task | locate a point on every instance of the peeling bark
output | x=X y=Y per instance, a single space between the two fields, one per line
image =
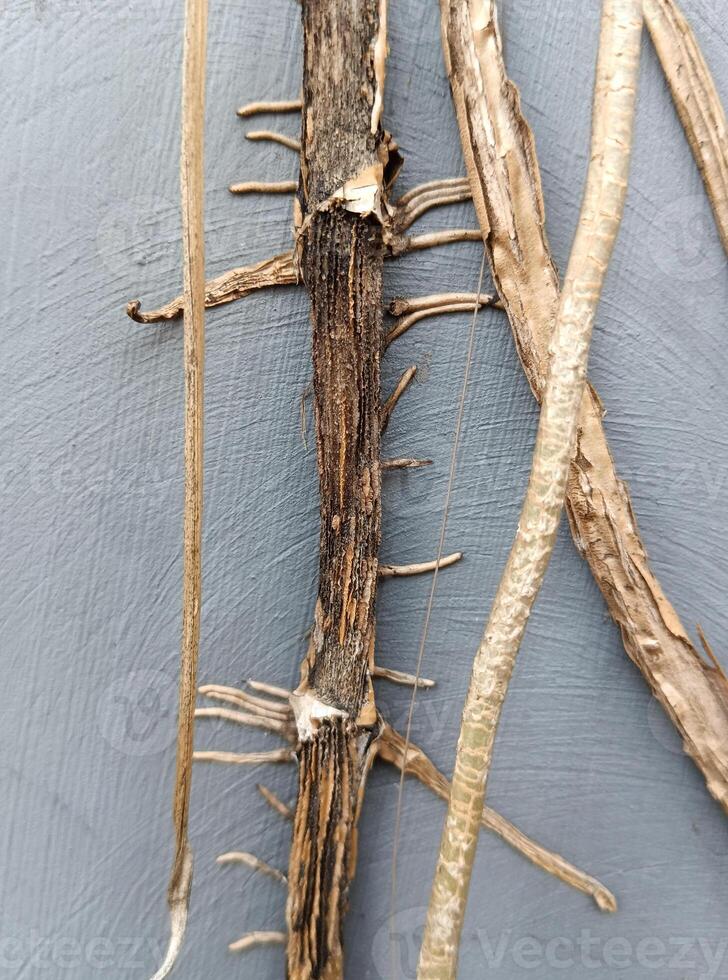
x=501 y=160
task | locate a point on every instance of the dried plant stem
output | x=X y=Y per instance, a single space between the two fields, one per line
x=509 y=204
x=232 y=285
x=193 y=247
x=410 y=759
x=601 y=212
x=696 y=100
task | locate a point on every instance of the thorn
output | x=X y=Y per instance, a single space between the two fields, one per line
x=253 y=939
x=404 y=463
x=400 y=306
x=432 y=185
x=256 y=108
x=437 y=194
x=246 y=758
x=388 y=406
x=259 y=706
x=240 y=718
x=397 y=571
x=243 y=857
x=272 y=800
x=265 y=187
x=399 y=677
x=275 y=692
x=261 y=135
x=403 y=324
x=415 y=243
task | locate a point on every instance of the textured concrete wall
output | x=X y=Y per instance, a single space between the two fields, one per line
x=91 y=476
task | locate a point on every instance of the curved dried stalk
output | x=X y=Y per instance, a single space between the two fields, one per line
x=509 y=205
x=696 y=100
x=193 y=247
x=601 y=213
x=235 y=284
x=410 y=759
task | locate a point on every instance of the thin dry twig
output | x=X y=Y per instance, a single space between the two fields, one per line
x=601 y=212
x=273 y=801
x=257 y=108
x=419 y=568
x=193 y=247
x=251 y=861
x=457 y=305
x=264 y=187
x=405 y=463
x=268 y=135
x=245 y=758
x=393 y=749
x=696 y=100
x=388 y=407
x=509 y=204
x=253 y=939
x=235 y=284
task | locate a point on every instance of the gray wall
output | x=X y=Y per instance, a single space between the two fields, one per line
x=91 y=474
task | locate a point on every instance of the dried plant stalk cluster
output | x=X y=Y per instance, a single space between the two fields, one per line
x=601 y=213
x=345 y=226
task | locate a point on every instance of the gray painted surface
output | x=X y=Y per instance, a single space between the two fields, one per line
x=92 y=489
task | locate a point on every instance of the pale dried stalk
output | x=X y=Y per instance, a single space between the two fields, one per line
x=193 y=263
x=509 y=204
x=614 y=101
x=696 y=100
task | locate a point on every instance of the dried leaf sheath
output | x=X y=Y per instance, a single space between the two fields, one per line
x=509 y=204
x=696 y=100
x=601 y=213
x=341 y=255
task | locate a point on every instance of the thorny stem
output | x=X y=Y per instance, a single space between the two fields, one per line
x=614 y=100
x=509 y=204
x=696 y=100
x=193 y=248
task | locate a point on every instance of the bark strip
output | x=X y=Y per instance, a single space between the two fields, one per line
x=601 y=214
x=501 y=160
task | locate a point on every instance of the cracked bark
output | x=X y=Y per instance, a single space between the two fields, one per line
x=341 y=253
